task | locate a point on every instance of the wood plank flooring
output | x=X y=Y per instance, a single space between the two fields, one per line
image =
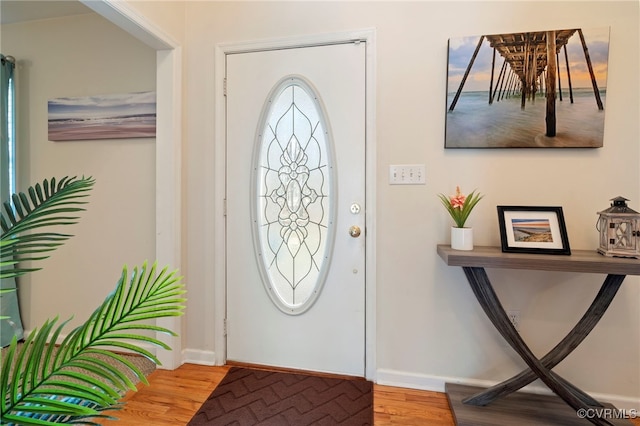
x=173 y=397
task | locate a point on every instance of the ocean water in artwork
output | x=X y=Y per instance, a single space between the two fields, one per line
x=131 y=115
x=474 y=123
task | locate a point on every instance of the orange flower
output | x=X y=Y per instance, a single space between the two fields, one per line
x=459 y=206
x=457 y=201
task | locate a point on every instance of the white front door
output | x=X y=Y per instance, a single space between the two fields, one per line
x=295 y=192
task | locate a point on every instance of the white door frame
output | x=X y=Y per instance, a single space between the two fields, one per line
x=219 y=178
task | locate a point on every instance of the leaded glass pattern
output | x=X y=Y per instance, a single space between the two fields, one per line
x=293 y=196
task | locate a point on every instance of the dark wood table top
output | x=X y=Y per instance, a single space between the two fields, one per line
x=586 y=261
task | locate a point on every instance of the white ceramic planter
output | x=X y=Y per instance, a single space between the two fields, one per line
x=461 y=238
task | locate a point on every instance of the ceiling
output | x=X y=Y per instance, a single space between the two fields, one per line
x=12 y=11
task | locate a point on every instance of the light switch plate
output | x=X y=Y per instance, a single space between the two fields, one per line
x=407 y=174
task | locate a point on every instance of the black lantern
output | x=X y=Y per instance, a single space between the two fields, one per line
x=619 y=228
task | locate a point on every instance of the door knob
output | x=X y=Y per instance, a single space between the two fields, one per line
x=354 y=231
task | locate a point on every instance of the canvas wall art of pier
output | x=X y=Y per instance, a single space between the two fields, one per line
x=544 y=89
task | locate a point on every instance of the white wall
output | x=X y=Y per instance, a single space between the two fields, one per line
x=81 y=56
x=429 y=326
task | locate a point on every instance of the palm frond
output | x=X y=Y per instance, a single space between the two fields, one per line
x=3 y=274
x=5 y=264
x=70 y=384
x=51 y=203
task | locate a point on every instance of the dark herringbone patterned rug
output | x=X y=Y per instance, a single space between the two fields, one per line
x=257 y=397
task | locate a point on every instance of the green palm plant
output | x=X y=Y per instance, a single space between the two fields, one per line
x=48 y=204
x=42 y=383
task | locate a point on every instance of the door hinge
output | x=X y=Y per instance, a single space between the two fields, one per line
x=224 y=87
x=224 y=326
x=224 y=207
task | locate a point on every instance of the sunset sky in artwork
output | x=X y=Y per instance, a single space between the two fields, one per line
x=101 y=106
x=530 y=223
x=461 y=50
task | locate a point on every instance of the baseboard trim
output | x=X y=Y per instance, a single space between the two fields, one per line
x=196 y=356
x=405 y=379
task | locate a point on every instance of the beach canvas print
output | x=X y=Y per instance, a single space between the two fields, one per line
x=118 y=116
x=544 y=89
x=529 y=230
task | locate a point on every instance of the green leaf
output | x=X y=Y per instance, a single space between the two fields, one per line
x=45 y=384
x=56 y=406
x=77 y=390
x=25 y=214
x=460 y=215
x=38 y=369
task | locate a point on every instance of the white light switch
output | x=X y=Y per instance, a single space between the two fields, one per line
x=407 y=174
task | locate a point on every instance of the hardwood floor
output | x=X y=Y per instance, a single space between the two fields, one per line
x=173 y=397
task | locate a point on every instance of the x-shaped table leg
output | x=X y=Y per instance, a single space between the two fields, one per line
x=540 y=368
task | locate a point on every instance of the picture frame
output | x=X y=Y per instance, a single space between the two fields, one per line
x=493 y=99
x=112 y=116
x=533 y=229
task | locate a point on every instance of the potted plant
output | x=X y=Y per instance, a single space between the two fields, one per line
x=42 y=383
x=459 y=207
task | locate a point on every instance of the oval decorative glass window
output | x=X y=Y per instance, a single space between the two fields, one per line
x=293 y=206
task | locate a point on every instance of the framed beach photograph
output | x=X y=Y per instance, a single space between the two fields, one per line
x=116 y=116
x=540 y=89
x=535 y=229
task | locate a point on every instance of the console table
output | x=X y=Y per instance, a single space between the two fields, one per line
x=474 y=263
